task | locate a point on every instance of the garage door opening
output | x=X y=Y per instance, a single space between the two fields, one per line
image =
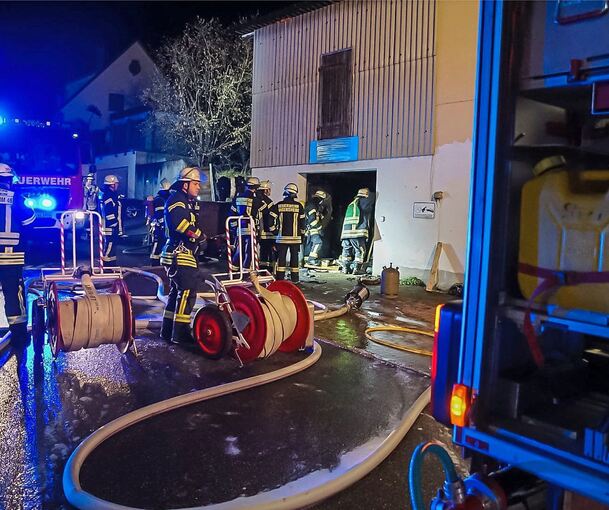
x=342 y=186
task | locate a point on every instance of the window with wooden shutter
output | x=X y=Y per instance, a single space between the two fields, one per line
x=335 y=95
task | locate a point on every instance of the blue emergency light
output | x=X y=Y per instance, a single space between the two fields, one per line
x=43 y=202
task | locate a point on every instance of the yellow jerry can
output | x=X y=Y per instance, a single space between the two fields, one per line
x=564 y=237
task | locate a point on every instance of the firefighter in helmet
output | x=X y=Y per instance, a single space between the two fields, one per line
x=267 y=238
x=289 y=227
x=112 y=214
x=316 y=213
x=246 y=203
x=179 y=255
x=355 y=233
x=157 y=222
x=14 y=215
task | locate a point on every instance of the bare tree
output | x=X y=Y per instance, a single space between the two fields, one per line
x=201 y=101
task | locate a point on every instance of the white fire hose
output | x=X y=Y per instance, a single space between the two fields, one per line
x=91 y=320
x=78 y=497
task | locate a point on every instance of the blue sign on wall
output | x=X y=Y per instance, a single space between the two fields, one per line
x=334 y=150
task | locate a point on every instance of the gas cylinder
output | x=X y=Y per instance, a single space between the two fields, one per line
x=390 y=281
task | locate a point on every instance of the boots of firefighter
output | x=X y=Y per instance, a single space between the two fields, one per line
x=295 y=275
x=181 y=333
x=19 y=336
x=359 y=269
x=166 y=329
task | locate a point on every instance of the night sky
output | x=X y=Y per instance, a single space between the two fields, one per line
x=45 y=45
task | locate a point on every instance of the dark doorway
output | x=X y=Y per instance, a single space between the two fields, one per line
x=343 y=187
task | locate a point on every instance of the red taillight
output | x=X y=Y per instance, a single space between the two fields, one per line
x=459 y=405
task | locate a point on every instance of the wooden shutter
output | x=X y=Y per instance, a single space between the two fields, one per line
x=335 y=80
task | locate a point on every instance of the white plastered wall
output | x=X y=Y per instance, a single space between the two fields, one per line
x=401 y=239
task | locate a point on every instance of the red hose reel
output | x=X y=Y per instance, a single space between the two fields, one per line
x=213 y=328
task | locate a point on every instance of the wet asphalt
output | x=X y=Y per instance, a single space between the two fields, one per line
x=231 y=447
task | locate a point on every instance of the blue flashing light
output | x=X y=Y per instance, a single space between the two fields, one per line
x=2 y=120
x=47 y=203
x=75 y=136
x=30 y=202
x=48 y=123
x=17 y=121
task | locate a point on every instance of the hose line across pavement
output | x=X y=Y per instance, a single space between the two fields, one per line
x=270 y=500
x=399 y=329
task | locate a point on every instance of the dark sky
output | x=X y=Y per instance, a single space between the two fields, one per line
x=45 y=45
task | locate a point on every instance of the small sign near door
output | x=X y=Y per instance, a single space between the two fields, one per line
x=426 y=210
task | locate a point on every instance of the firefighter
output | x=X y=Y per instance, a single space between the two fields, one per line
x=267 y=238
x=246 y=203
x=355 y=232
x=157 y=222
x=111 y=206
x=289 y=227
x=315 y=213
x=179 y=255
x=14 y=215
x=91 y=190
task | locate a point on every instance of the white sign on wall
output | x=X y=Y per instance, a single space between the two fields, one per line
x=426 y=210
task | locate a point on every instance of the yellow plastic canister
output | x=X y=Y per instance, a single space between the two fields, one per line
x=564 y=226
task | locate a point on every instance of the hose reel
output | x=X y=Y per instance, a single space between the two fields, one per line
x=271 y=319
x=87 y=321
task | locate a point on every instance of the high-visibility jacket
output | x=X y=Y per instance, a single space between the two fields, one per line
x=265 y=220
x=289 y=221
x=247 y=203
x=13 y=216
x=357 y=219
x=183 y=234
x=112 y=212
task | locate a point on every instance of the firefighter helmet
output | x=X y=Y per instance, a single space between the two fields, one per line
x=321 y=194
x=164 y=184
x=189 y=174
x=252 y=182
x=265 y=186
x=110 y=179
x=291 y=188
x=363 y=192
x=6 y=171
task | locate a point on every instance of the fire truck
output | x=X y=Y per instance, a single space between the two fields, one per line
x=521 y=367
x=47 y=158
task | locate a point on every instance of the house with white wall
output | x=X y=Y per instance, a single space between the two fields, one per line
x=108 y=105
x=378 y=94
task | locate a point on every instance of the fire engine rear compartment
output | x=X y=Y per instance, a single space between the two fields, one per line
x=564 y=404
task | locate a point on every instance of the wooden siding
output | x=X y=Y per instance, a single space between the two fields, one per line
x=393 y=50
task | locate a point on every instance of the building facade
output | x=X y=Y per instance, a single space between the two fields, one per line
x=377 y=94
x=109 y=107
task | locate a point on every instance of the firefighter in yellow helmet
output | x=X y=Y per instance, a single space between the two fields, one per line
x=179 y=255
x=14 y=215
x=157 y=222
x=355 y=231
x=289 y=227
x=112 y=215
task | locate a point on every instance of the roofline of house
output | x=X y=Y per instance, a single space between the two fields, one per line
x=97 y=75
x=296 y=9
